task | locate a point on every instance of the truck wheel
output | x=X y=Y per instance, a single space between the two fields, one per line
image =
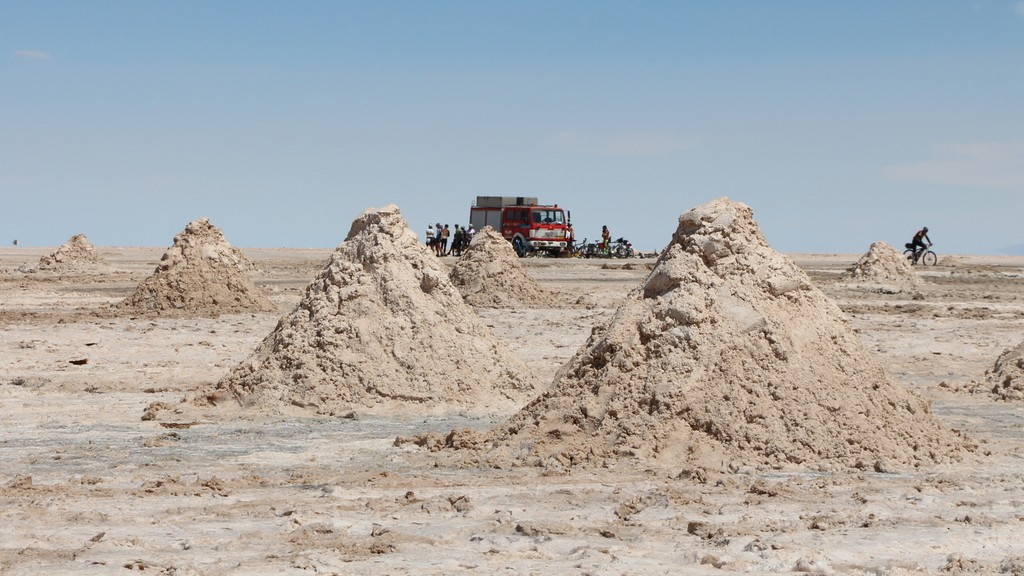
x=519 y=246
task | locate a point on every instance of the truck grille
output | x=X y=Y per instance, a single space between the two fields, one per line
x=549 y=234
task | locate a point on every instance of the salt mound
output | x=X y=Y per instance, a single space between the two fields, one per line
x=74 y=255
x=886 y=268
x=380 y=326
x=489 y=275
x=725 y=356
x=201 y=275
x=1006 y=377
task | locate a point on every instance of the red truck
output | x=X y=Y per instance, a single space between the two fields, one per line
x=527 y=225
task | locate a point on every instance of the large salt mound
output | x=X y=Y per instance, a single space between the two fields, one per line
x=885 y=268
x=201 y=274
x=725 y=356
x=489 y=275
x=1006 y=378
x=76 y=254
x=380 y=326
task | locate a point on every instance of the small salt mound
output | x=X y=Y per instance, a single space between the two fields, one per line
x=884 y=267
x=382 y=327
x=77 y=254
x=1006 y=377
x=725 y=356
x=201 y=274
x=489 y=275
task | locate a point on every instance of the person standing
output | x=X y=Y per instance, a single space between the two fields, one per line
x=430 y=236
x=606 y=240
x=457 y=238
x=445 y=234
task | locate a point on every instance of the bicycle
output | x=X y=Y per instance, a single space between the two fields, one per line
x=575 y=248
x=581 y=249
x=925 y=256
x=622 y=248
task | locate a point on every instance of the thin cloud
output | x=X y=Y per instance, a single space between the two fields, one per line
x=1020 y=9
x=33 y=54
x=637 y=144
x=986 y=165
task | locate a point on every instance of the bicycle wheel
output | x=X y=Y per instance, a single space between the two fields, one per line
x=909 y=254
x=929 y=258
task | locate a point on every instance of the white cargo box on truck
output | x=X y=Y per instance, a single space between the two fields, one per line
x=502 y=201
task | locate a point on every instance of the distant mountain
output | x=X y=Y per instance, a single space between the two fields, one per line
x=1017 y=250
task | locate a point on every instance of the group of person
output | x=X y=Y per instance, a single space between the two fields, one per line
x=438 y=238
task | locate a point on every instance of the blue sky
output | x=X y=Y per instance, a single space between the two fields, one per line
x=839 y=123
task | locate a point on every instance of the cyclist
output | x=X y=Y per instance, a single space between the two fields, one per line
x=919 y=241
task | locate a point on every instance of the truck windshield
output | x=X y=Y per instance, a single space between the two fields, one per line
x=548 y=217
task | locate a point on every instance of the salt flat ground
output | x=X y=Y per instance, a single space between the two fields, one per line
x=89 y=487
